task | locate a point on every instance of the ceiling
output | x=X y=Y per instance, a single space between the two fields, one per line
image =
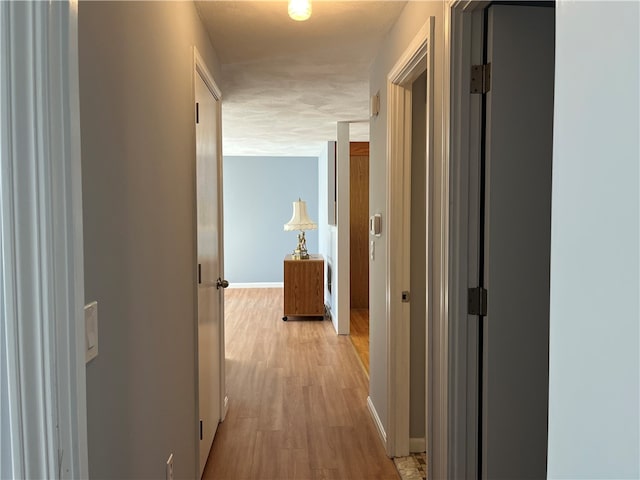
x=284 y=83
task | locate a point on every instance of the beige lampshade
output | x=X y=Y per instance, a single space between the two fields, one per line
x=300 y=219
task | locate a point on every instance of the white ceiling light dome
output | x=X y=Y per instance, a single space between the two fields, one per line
x=300 y=10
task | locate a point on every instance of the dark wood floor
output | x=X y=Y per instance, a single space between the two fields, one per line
x=297 y=399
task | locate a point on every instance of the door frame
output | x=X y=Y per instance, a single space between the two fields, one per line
x=342 y=288
x=463 y=26
x=417 y=58
x=41 y=243
x=200 y=68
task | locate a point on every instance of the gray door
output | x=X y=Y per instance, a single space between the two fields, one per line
x=517 y=227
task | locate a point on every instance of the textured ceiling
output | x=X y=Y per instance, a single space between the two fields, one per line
x=284 y=83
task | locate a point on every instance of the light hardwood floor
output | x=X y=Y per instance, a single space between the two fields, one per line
x=297 y=399
x=359 y=333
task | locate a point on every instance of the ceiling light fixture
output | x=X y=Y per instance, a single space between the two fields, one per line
x=300 y=10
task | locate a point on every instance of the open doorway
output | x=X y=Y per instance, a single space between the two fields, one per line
x=417 y=271
x=359 y=249
x=515 y=241
x=340 y=277
x=504 y=148
x=406 y=74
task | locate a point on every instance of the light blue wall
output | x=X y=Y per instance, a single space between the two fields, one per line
x=594 y=362
x=258 y=197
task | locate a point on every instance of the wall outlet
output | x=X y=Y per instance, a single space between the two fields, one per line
x=169 y=474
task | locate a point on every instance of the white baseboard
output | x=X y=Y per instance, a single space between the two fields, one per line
x=333 y=316
x=417 y=445
x=257 y=285
x=377 y=422
x=225 y=408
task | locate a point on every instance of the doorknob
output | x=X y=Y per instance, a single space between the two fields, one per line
x=221 y=283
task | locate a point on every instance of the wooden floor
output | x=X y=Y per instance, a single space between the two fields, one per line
x=297 y=399
x=359 y=333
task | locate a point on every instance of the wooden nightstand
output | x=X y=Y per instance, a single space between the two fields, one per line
x=304 y=287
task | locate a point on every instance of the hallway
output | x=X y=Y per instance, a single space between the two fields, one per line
x=297 y=399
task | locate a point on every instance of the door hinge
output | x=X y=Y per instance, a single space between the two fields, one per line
x=197 y=112
x=477 y=301
x=200 y=429
x=199 y=273
x=406 y=296
x=480 y=78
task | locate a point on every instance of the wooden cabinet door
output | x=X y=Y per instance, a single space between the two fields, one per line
x=304 y=286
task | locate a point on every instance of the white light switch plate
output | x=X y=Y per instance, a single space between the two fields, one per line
x=91 y=331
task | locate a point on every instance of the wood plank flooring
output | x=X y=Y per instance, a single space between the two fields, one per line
x=359 y=333
x=297 y=399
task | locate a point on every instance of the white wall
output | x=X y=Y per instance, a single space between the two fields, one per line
x=594 y=354
x=412 y=19
x=138 y=169
x=260 y=189
x=326 y=232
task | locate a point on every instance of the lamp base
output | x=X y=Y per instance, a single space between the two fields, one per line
x=300 y=253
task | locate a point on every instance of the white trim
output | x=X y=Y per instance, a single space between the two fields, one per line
x=200 y=66
x=341 y=289
x=466 y=6
x=417 y=445
x=463 y=47
x=365 y=120
x=376 y=421
x=413 y=60
x=223 y=356
x=397 y=312
x=257 y=285
x=342 y=266
x=42 y=278
x=429 y=241
x=342 y=285
x=410 y=65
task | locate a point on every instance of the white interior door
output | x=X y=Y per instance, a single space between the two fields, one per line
x=209 y=266
x=517 y=226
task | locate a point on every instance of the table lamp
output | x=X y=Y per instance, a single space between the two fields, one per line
x=300 y=221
